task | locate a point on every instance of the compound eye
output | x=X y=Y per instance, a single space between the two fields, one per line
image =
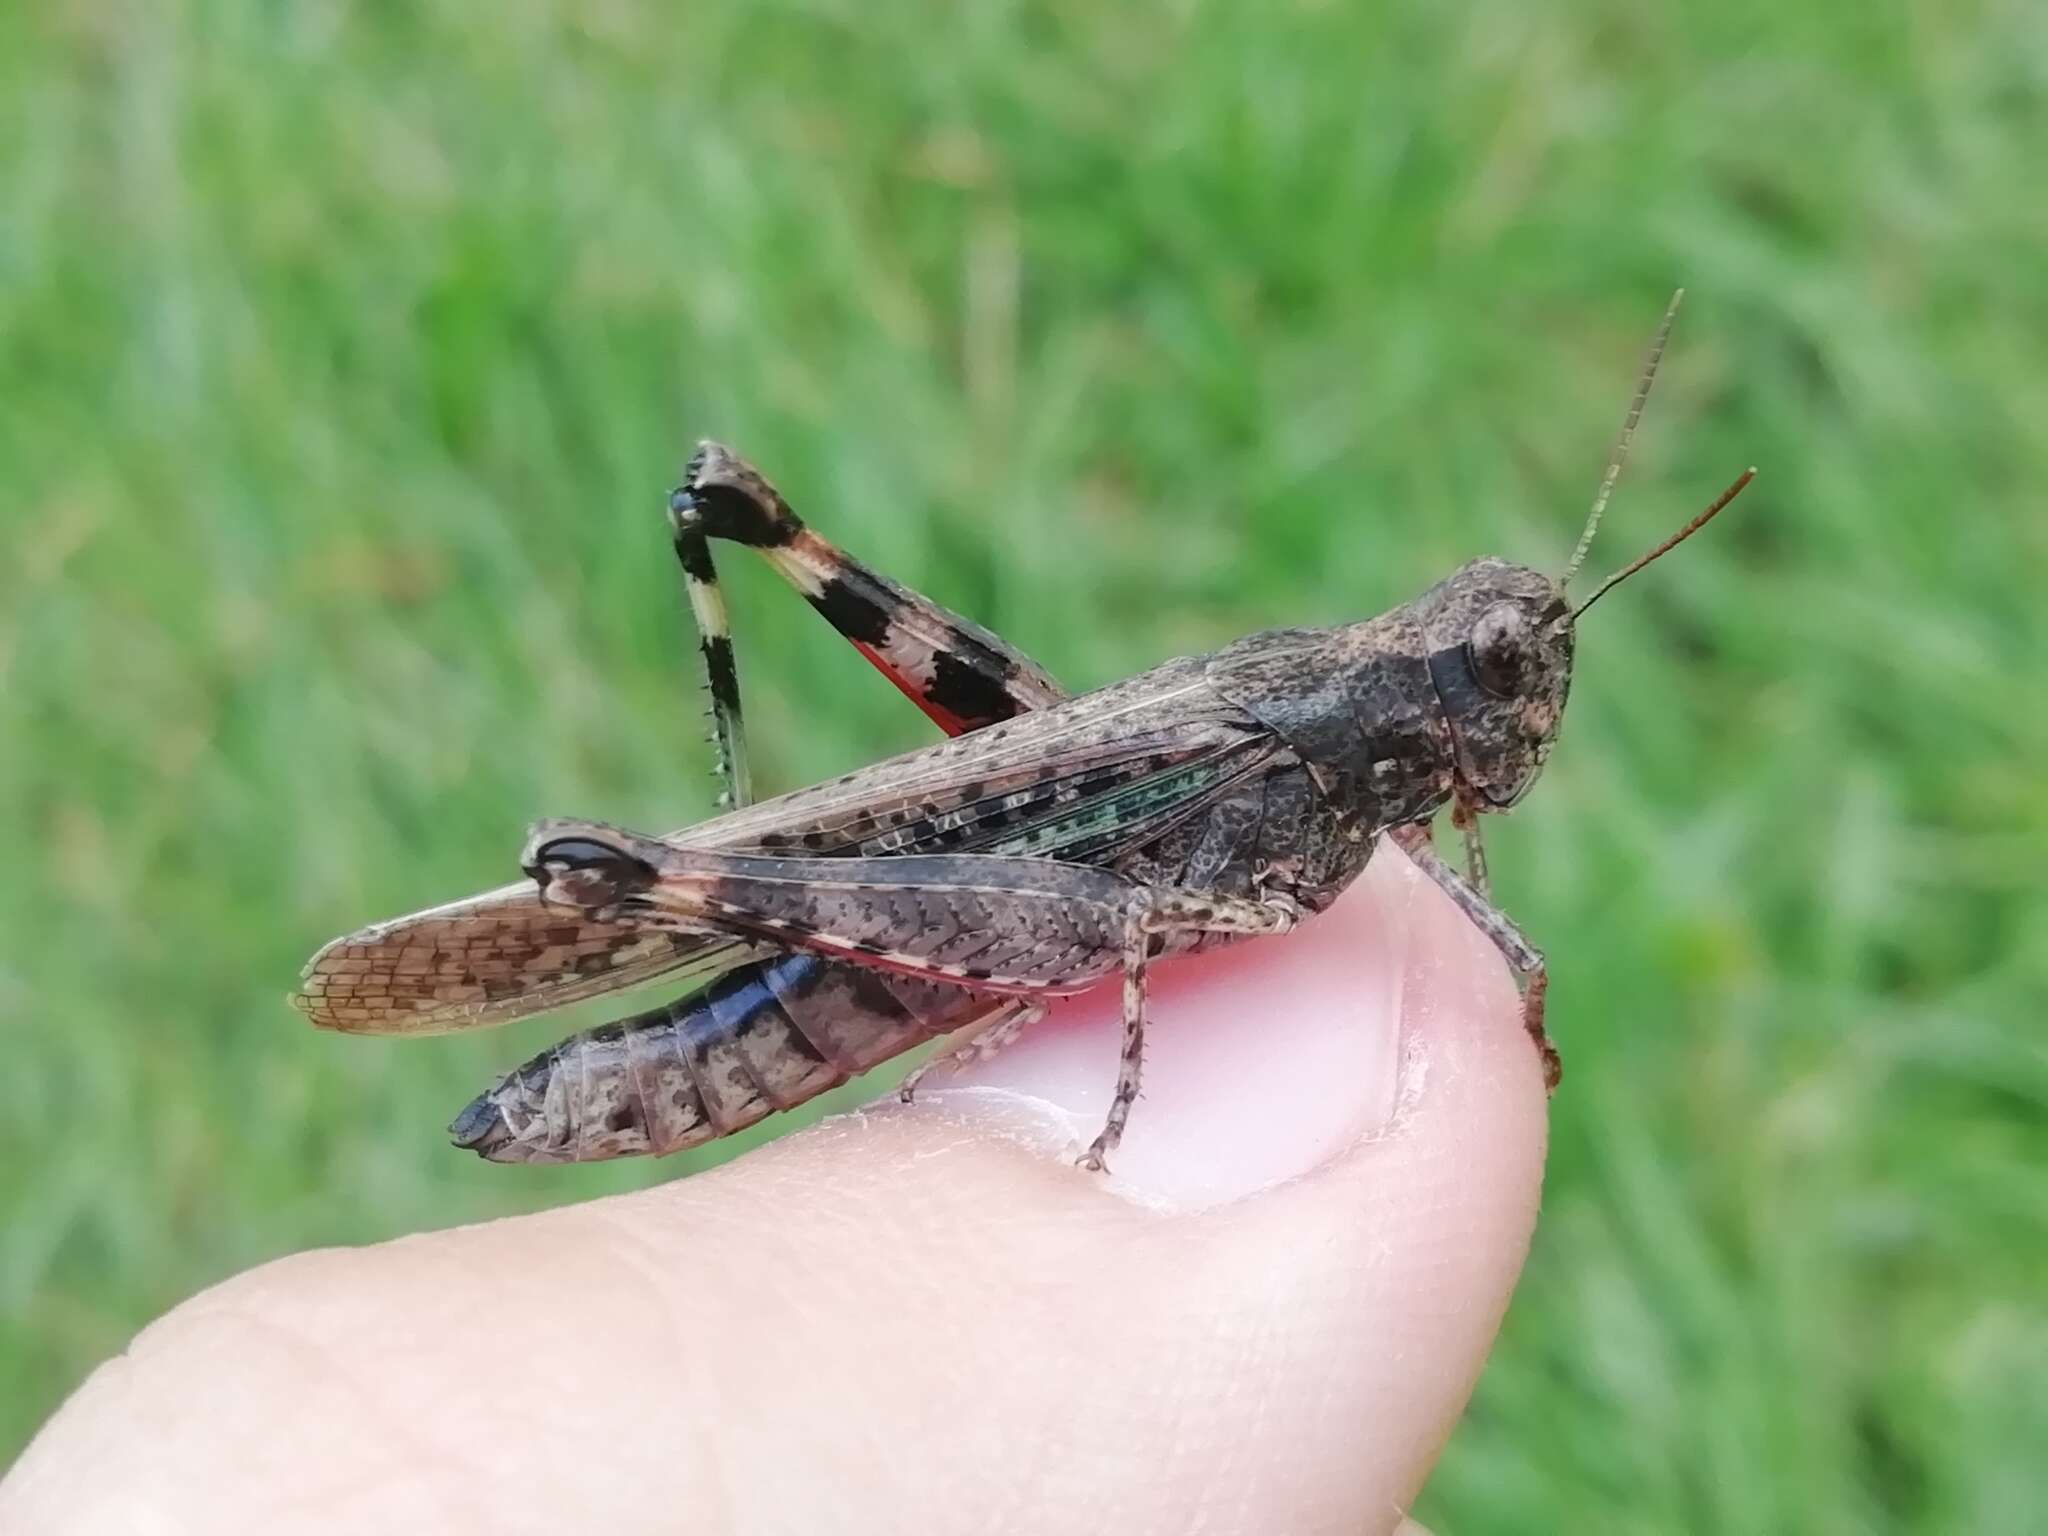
x=1500 y=651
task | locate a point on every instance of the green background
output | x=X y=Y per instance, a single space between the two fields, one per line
x=346 y=353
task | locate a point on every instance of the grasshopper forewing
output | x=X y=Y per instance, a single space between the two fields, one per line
x=1054 y=841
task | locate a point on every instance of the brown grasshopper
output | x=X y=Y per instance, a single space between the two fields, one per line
x=1053 y=841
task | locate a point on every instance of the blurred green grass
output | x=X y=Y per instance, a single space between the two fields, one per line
x=346 y=353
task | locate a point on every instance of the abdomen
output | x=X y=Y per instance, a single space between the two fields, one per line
x=767 y=1036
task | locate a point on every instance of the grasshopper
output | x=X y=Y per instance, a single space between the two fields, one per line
x=1053 y=841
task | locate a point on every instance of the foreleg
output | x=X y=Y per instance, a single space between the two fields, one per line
x=1513 y=944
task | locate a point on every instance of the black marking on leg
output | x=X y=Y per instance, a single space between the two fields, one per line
x=730 y=514
x=714 y=643
x=972 y=689
x=723 y=673
x=693 y=552
x=855 y=613
x=730 y=499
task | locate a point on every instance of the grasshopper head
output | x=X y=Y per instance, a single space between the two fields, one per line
x=1499 y=636
x=1499 y=639
x=1500 y=654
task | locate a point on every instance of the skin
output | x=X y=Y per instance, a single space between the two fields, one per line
x=1268 y=1318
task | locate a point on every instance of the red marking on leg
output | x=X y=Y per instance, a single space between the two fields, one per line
x=912 y=690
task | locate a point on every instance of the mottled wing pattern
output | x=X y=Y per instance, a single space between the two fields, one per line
x=1074 y=782
x=488 y=960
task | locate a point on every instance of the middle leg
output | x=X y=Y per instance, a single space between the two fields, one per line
x=1153 y=917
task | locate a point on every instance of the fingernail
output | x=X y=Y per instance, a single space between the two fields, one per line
x=1262 y=1061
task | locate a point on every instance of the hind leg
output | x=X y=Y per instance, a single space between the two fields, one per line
x=959 y=674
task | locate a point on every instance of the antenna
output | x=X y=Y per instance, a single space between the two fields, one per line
x=1621 y=443
x=1669 y=544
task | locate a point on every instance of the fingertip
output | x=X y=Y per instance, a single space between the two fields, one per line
x=1351 y=1124
x=910 y=1318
